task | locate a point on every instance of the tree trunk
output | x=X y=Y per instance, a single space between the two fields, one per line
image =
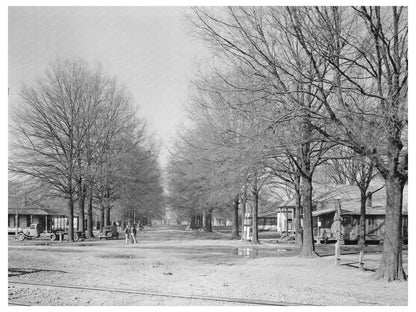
x=298 y=227
x=308 y=247
x=89 y=216
x=81 y=204
x=363 y=200
x=235 y=234
x=243 y=213
x=192 y=223
x=107 y=207
x=207 y=220
x=107 y=215
x=391 y=263
x=255 y=237
x=102 y=213
x=71 y=219
x=361 y=237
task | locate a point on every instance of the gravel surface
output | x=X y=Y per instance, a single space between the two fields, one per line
x=175 y=261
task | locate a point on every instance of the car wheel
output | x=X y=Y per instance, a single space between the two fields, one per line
x=53 y=236
x=21 y=236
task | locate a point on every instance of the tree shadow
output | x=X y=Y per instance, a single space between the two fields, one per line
x=355 y=265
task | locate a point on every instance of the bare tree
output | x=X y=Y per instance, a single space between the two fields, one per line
x=48 y=128
x=253 y=41
x=140 y=186
x=364 y=96
x=70 y=132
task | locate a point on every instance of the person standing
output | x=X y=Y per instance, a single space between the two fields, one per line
x=127 y=232
x=133 y=235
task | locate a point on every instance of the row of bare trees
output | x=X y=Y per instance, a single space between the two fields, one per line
x=289 y=89
x=77 y=131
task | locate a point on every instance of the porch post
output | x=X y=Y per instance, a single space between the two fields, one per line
x=318 y=241
x=287 y=220
x=17 y=222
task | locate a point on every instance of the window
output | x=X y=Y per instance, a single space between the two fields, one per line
x=270 y=221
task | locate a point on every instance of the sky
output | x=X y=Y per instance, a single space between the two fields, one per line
x=148 y=49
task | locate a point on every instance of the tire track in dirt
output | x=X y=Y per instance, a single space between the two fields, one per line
x=136 y=292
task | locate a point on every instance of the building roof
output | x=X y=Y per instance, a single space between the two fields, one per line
x=25 y=206
x=29 y=211
x=326 y=198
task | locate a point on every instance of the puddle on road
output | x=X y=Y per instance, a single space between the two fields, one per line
x=251 y=252
x=118 y=256
x=55 y=244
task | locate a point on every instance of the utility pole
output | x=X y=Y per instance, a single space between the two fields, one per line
x=338 y=232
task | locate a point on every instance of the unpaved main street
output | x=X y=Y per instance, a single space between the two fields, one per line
x=171 y=260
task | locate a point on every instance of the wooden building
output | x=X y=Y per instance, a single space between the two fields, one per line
x=348 y=198
x=22 y=213
x=325 y=200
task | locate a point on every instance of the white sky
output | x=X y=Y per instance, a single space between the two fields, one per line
x=147 y=48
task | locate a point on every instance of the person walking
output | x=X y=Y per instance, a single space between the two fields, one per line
x=133 y=235
x=127 y=232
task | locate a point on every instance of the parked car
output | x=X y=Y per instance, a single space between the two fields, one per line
x=109 y=232
x=35 y=231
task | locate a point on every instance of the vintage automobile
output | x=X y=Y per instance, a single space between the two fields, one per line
x=36 y=230
x=109 y=232
x=33 y=231
x=78 y=235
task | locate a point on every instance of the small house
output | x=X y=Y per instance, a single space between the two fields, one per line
x=23 y=212
x=326 y=199
x=347 y=199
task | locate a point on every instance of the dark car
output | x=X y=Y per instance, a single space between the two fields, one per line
x=109 y=231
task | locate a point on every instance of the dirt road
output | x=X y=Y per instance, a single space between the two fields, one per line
x=174 y=261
